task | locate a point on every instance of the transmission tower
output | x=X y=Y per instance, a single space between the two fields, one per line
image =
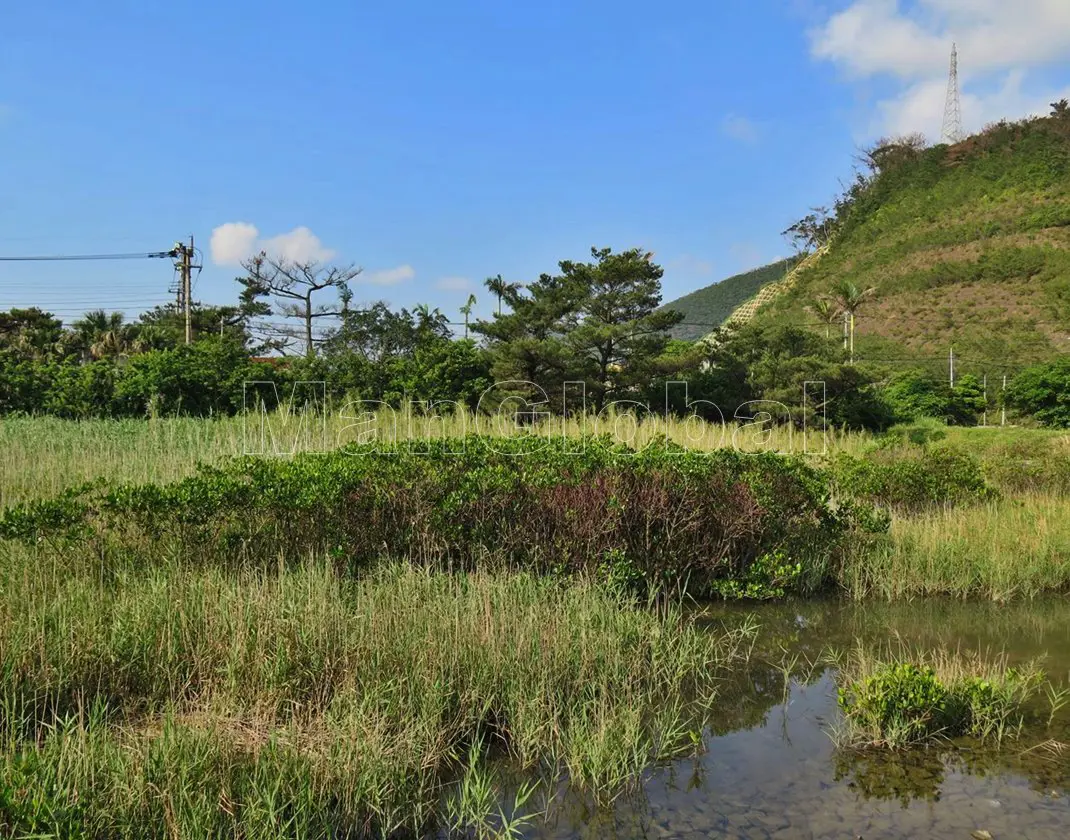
x=952 y=131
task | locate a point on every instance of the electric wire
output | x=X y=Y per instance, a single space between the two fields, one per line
x=141 y=255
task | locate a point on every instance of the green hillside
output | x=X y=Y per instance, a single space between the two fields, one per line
x=708 y=307
x=965 y=246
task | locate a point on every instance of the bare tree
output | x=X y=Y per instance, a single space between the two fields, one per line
x=292 y=286
x=812 y=231
x=892 y=152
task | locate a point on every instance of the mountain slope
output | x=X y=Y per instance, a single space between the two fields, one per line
x=965 y=246
x=743 y=313
x=707 y=308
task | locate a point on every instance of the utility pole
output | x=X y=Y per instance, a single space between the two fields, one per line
x=187 y=260
x=1003 y=401
x=952 y=367
x=184 y=254
x=984 y=420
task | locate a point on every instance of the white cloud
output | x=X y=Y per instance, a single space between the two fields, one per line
x=739 y=128
x=299 y=245
x=909 y=41
x=913 y=39
x=453 y=284
x=389 y=276
x=235 y=241
x=872 y=36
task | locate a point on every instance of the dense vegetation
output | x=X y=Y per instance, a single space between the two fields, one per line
x=1043 y=392
x=575 y=342
x=707 y=308
x=770 y=366
x=659 y=520
x=965 y=246
x=376 y=354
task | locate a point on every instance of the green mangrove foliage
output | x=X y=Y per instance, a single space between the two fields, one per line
x=915 y=481
x=723 y=523
x=663 y=517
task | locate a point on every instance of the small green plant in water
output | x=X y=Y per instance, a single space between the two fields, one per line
x=475 y=807
x=902 y=702
x=894 y=702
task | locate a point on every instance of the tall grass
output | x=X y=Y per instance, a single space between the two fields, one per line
x=43 y=456
x=182 y=702
x=1012 y=548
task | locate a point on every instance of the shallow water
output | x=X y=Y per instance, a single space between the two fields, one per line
x=771 y=769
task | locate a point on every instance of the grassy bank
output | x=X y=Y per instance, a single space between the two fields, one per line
x=664 y=519
x=192 y=703
x=1016 y=547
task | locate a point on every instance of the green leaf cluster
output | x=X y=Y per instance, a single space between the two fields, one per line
x=902 y=703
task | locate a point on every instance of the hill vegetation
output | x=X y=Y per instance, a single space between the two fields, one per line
x=709 y=307
x=965 y=246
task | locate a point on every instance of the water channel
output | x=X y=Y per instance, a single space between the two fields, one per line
x=772 y=770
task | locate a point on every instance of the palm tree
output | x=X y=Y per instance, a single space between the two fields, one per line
x=101 y=333
x=501 y=288
x=827 y=312
x=466 y=310
x=111 y=344
x=428 y=319
x=850 y=299
x=145 y=337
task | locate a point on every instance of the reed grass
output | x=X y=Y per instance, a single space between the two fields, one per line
x=181 y=702
x=1016 y=547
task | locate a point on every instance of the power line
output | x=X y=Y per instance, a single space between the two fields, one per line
x=95 y=302
x=85 y=257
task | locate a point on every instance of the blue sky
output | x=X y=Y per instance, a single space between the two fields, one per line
x=435 y=144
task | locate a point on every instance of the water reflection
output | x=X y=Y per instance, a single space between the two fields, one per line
x=903 y=775
x=771 y=769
